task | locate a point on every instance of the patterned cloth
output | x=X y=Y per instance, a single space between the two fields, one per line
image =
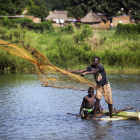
x=106 y=91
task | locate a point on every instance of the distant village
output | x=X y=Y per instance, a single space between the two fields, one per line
x=95 y=20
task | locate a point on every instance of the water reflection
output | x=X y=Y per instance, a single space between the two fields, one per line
x=30 y=111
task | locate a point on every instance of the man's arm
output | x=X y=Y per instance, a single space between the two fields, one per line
x=90 y=72
x=82 y=106
x=78 y=71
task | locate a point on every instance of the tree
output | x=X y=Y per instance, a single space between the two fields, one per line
x=75 y=12
x=131 y=7
x=8 y=8
x=110 y=7
x=38 y=11
x=39 y=2
x=12 y=7
x=58 y=4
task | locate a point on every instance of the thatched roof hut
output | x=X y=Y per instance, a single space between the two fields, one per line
x=61 y=15
x=103 y=17
x=91 y=18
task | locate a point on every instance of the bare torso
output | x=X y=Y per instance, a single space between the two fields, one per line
x=89 y=102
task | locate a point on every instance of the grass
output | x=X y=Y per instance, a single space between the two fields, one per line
x=117 y=52
x=105 y=32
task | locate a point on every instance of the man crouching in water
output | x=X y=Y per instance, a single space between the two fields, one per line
x=88 y=103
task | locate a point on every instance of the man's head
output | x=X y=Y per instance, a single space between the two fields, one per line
x=91 y=91
x=96 y=61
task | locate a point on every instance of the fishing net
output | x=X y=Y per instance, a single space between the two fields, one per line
x=49 y=75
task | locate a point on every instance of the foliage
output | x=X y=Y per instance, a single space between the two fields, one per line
x=85 y=33
x=68 y=28
x=27 y=23
x=39 y=2
x=12 y=7
x=126 y=7
x=57 y=4
x=78 y=24
x=138 y=28
x=111 y=7
x=119 y=52
x=66 y=53
x=43 y=26
x=75 y=12
x=38 y=11
x=76 y=8
x=127 y=28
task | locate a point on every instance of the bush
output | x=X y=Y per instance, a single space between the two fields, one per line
x=126 y=28
x=27 y=23
x=24 y=22
x=86 y=33
x=6 y=22
x=138 y=28
x=78 y=25
x=43 y=26
x=69 y=29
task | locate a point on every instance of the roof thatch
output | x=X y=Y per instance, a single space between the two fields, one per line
x=91 y=17
x=62 y=15
x=103 y=18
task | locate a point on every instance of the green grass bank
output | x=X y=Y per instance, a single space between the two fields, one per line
x=75 y=48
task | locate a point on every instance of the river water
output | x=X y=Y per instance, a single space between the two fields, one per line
x=29 y=111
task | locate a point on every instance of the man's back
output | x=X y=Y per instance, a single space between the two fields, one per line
x=89 y=102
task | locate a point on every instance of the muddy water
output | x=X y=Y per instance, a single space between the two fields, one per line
x=30 y=111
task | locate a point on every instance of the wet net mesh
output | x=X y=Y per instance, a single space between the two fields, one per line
x=49 y=75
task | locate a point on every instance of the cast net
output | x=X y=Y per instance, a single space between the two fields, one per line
x=49 y=75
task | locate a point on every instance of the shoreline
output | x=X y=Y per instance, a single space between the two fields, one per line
x=107 y=71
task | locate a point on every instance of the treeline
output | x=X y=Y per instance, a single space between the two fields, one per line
x=76 y=8
x=45 y=26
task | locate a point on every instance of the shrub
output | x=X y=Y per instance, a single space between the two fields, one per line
x=78 y=25
x=126 y=29
x=6 y=22
x=69 y=29
x=138 y=28
x=86 y=33
x=27 y=23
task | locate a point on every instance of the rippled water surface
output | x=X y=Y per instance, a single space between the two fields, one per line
x=30 y=111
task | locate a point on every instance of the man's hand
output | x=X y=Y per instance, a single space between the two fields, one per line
x=83 y=74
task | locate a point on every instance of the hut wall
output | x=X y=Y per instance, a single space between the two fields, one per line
x=56 y=24
x=123 y=20
x=104 y=25
x=37 y=20
x=93 y=25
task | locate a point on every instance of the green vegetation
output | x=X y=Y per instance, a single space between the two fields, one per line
x=76 y=8
x=128 y=29
x=73 y=48
x=27 y=23
x=38 y=11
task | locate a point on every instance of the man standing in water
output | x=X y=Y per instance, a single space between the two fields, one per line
x=102 y=85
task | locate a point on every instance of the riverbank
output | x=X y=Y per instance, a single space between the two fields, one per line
x=124 y=72
x=72 y=51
